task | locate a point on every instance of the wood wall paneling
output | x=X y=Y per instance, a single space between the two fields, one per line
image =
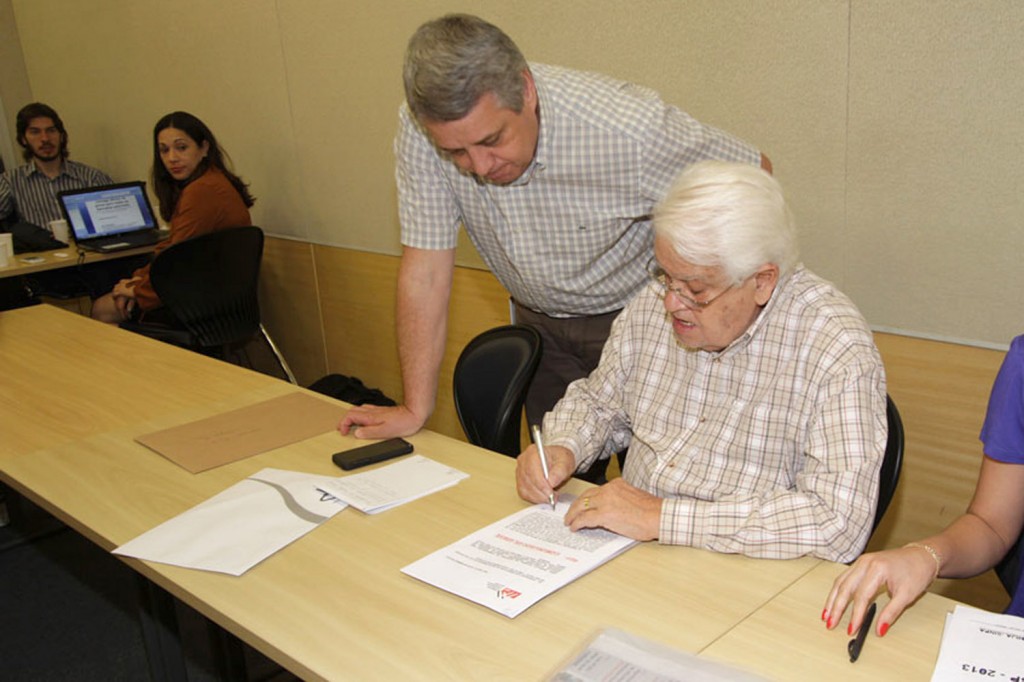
x=357 y=291
x=290 y=307
x=941 y=390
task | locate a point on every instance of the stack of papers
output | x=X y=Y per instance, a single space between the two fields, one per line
x=381 y=489
x=511 y=565
x=978 y=645
x=614 y=655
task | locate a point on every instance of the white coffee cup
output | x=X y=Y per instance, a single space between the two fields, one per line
x=6 y=249
x=60 y=231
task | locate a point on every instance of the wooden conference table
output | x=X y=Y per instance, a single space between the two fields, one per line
x=334 y=604
x=40 y=261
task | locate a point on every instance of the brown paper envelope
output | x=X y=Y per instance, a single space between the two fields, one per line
x=231 y=436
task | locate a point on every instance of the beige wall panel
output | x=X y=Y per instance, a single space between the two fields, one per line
x=344 y=66
x=772 y=72
x=935 y=169
x=941 y=390
x=891 y=125
x=113 y=68
x=290 y=306
x=358 y=297
x=706 y=57
x=14 y=88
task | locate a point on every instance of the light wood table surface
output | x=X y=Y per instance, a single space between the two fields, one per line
x=334 y=604
x=786 y=640
x=27 y=263
x=66 y=376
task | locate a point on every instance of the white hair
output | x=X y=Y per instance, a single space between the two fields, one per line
x=728 y=215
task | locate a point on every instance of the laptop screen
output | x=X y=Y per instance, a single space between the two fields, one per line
x=107 y=210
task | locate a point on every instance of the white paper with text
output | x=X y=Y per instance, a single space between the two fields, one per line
x=616 y=656
x=381 y=489
x=980 y=645
x=511 y=565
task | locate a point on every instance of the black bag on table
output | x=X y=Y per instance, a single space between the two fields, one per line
x=351 y=390
x=28 y=237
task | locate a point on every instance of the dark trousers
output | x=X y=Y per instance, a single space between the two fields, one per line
x=91 y=279
x=572 y=350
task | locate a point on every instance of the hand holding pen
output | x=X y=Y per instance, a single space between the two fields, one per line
x=533 y=483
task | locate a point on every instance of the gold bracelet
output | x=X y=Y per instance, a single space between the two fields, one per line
x=930 y=550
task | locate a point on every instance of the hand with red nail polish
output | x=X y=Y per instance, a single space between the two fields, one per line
x=971 y=545
x=904 y=573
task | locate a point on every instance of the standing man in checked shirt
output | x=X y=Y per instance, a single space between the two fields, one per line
x=748 y=390
x=553 y=173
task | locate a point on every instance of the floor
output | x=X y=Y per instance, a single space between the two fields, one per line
x=69 y=610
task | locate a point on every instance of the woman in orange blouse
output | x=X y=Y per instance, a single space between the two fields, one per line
x=197 y=194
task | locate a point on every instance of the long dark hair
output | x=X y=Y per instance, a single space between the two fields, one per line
x=167 y=189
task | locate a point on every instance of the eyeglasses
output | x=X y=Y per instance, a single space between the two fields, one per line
x=664 y=282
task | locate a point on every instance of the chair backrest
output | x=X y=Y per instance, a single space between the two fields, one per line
x=209 y=283
x=491 y=378
x=892 y=463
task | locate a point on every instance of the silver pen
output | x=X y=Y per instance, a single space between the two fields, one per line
x=543 y=461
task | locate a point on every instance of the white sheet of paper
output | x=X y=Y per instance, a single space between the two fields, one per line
x=236 y=529
x=511 y=565
x=389 y=486
x=616 y=655
x=980 y=645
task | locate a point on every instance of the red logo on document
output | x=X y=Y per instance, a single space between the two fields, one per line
x=504 y=592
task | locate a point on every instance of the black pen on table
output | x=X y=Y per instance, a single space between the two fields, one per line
x=543 y=461
x=857 y=643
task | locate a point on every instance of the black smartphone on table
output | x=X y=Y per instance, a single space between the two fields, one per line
x=372 y=453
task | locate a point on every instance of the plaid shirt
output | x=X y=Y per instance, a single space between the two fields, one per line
x=33 y=197
x=770 y=447
x=571 y=236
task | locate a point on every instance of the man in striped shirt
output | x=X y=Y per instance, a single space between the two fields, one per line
x=29 y=192
x=553 y=173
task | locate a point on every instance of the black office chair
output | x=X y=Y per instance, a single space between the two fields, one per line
x=892 y=463
x=490 y=382
x=208 y=284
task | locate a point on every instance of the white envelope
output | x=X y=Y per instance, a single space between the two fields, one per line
x=236 y=529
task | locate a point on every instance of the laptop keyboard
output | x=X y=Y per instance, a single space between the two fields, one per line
x=119 y=242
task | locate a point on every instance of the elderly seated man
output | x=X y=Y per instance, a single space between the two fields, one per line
x=748 y=390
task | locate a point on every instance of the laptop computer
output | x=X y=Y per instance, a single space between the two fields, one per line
x=110 y=217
